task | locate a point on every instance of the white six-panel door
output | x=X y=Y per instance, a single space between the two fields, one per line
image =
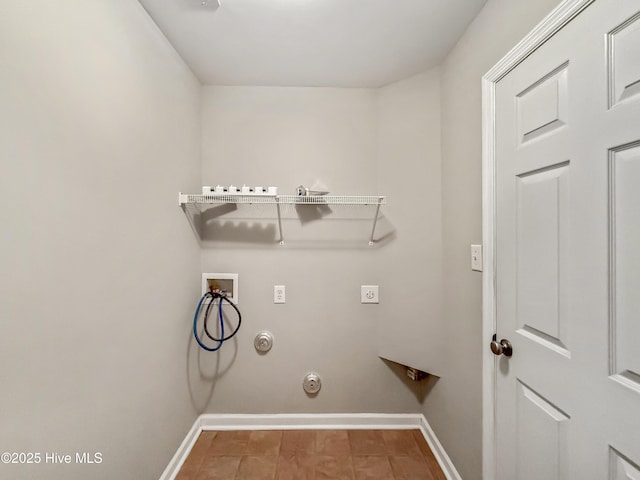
x=567 y=253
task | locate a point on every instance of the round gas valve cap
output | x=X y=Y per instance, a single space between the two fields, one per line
x=263 y=342
x=311 y=383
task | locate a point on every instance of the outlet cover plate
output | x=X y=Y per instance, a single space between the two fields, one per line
x=369 y=294
x=279 y=294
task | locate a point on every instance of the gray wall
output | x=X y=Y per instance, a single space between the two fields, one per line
x=346 y=139
x=99 y=130
x=410 y=267
x=454 y=407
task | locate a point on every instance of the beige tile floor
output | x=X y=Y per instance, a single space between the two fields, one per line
x=311 y=455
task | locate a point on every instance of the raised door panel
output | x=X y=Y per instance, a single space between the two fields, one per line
x=624 y=61
x=541 y=437
x=542 y=197
x=625 y=261
x=622 y=468
x=542 y=107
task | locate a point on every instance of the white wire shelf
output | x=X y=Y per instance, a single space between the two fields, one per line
x=220 y=198
x=202 y=202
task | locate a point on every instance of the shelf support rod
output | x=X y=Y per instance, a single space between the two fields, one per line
x=375 y=220
x=279 y=220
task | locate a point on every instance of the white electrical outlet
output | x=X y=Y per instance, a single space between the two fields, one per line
x=279 y=294
x=369 y=294
x=476 y=258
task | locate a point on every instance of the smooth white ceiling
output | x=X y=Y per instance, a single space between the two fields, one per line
x=337 y=43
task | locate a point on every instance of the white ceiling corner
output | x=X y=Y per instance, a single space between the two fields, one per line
x=334 y=43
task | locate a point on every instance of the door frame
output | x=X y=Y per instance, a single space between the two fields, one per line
x=549 y=26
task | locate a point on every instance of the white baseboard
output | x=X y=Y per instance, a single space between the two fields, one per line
x=447 y=466
x=307 y=421
x=182 y=453
x=351 y=421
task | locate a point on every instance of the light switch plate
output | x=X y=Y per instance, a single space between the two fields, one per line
x=476 y=258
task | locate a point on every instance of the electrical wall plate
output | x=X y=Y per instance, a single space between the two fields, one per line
x=369 y=294
x=476 y=258
x=279 y=294
x=221 y=281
